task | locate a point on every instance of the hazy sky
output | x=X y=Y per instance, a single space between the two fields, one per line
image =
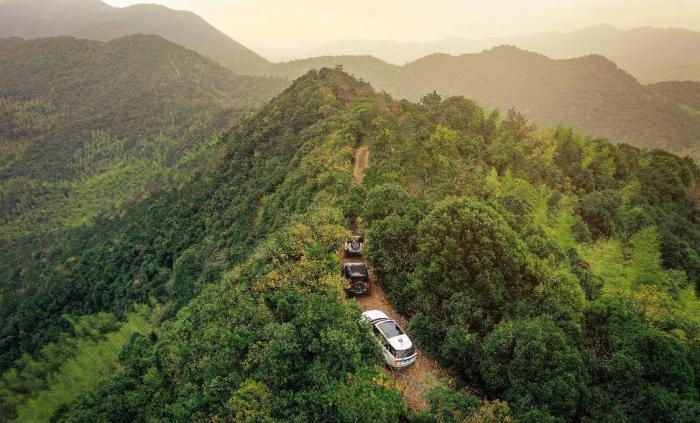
x=265 y=25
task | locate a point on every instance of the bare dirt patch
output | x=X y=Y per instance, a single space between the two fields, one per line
x=361 y=160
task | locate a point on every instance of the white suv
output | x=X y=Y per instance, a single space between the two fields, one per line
x=397 y=347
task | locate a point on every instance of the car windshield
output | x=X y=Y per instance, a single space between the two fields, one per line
x=404 y=353
x=358 y=268
x=390 y=329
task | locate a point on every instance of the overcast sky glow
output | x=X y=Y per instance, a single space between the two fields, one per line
x=306 y=24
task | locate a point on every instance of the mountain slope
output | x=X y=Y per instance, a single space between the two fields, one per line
x=92 y=19
x=685 y=93
x=86 y=126
x=132 y=87
x=589 y=93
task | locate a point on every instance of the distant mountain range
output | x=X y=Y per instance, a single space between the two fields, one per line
x=93 y=19
x=589 y=93
x=650 y=54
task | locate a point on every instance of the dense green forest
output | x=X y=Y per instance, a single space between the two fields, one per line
x=556 y=275
x=88 y=128
x=55 y=92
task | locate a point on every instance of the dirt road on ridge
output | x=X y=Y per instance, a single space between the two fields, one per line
x=416 y=379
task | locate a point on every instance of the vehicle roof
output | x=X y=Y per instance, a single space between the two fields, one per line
x=389 y=328
x=373 y=315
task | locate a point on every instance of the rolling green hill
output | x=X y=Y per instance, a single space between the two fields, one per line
x=80 y=121
x=61 y=89
x=553 y=274
x=93 y=19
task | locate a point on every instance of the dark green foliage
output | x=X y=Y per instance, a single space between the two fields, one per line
x=449 y=406
x=543 y=268
x=186 y=271
x=466 y=247
x=387 y=200
x=599 y=210
x=533 y=364
x=646 y=371
x=57 y=91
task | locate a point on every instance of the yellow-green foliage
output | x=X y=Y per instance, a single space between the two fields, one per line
x=561 y=232
x=94 y=360
x=297 y=258
x=11 y=153
x=635 y=266
x=606 y=260
x=635 y=271
x=98 y=153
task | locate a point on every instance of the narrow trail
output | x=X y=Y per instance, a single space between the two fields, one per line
x=361 y=160
x=415 y=380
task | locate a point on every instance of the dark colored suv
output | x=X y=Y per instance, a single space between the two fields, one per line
x=357 y=278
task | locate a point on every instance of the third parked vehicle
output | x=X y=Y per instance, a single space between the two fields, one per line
x=397 y=348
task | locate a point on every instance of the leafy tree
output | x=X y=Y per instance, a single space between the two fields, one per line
x=533 y=364
x=466 y=246
x=599 y=210
x=367 y=396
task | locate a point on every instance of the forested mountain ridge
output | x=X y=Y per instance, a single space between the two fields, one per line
x=72 y=110
x=588 y=93
x=88 y=127
x=685 y=93
x=93 y=19
x=578 y=304
x=132 y=87
x=650 y=54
